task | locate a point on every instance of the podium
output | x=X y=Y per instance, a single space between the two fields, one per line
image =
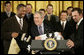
x=39 y=45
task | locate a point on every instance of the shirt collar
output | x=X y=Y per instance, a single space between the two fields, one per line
x=18 y=18
x=80 y=21
x=63 y=21
x=49 y=14
x=41 y=25
x=8 y=12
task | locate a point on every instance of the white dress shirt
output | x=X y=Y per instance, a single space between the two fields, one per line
x=18 y=19
x=42 y=25
x=64 y=23
x=8 y=13
x=80 y=21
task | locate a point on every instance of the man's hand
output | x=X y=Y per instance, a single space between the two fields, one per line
x=70 y=43
x=37 y=38
x=61 y=35
x=14 y=34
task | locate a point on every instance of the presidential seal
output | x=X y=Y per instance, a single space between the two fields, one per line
x=50 y=44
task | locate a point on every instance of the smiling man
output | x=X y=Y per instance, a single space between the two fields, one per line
x=64 y=26
x=7 y=13
x=76 y=41
x=40 y=26
x=50 y=17
x=13 y=27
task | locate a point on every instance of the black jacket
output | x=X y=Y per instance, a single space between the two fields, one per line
x=29 y=20
x=67 y=30
x=11 y=25
x=53 y=20
x=4 y=16
x=77 y=38
x=35 y=32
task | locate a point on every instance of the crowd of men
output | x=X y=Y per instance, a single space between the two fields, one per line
x=69 y=24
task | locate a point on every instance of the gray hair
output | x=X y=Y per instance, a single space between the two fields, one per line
x=38 y=12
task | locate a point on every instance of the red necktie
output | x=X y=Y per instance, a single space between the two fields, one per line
x=76 y=26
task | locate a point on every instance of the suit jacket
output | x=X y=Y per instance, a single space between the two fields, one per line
x=35 y=32
x=77 y=38
x=67 y=30
x=4 y=16
x=73 y=24
x=53 y=20
x=11 y=25
x=29 y=20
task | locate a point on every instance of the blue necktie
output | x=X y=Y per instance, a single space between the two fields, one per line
x=40 y=30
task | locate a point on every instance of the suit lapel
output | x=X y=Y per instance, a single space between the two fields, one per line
x=6 y=14
x=16 y=22
x=46 y=17
x=10 y=14
x=24 y=24
x=80 y=25
x=46 y=28
x=66 y=25
x=51 y=18
x=36 y=30
x=60 y=25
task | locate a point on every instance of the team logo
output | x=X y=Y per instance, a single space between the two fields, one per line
x=50 y=44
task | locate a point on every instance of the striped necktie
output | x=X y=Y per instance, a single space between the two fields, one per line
x=40 y=30
x=21 y=24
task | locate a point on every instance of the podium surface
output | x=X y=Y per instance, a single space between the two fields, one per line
x=39 y=45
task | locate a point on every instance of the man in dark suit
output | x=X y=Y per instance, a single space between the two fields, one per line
x=7 y=13
x=29 y=15
x=64 y=26
x=69 y=10
x=76 y=41
x=70 y=18
x=4 y=15
x=39 y=27
x=50 y=17
x=14 y=27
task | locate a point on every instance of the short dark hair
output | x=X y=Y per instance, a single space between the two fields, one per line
x=20 y=5
x=7 y=2
x=64 y=11
x=77 y=9
x=50 y=5
x=29 y=4
x=42 y=10
x=69 y=7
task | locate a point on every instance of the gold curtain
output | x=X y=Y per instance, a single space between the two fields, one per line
x=58 y=6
